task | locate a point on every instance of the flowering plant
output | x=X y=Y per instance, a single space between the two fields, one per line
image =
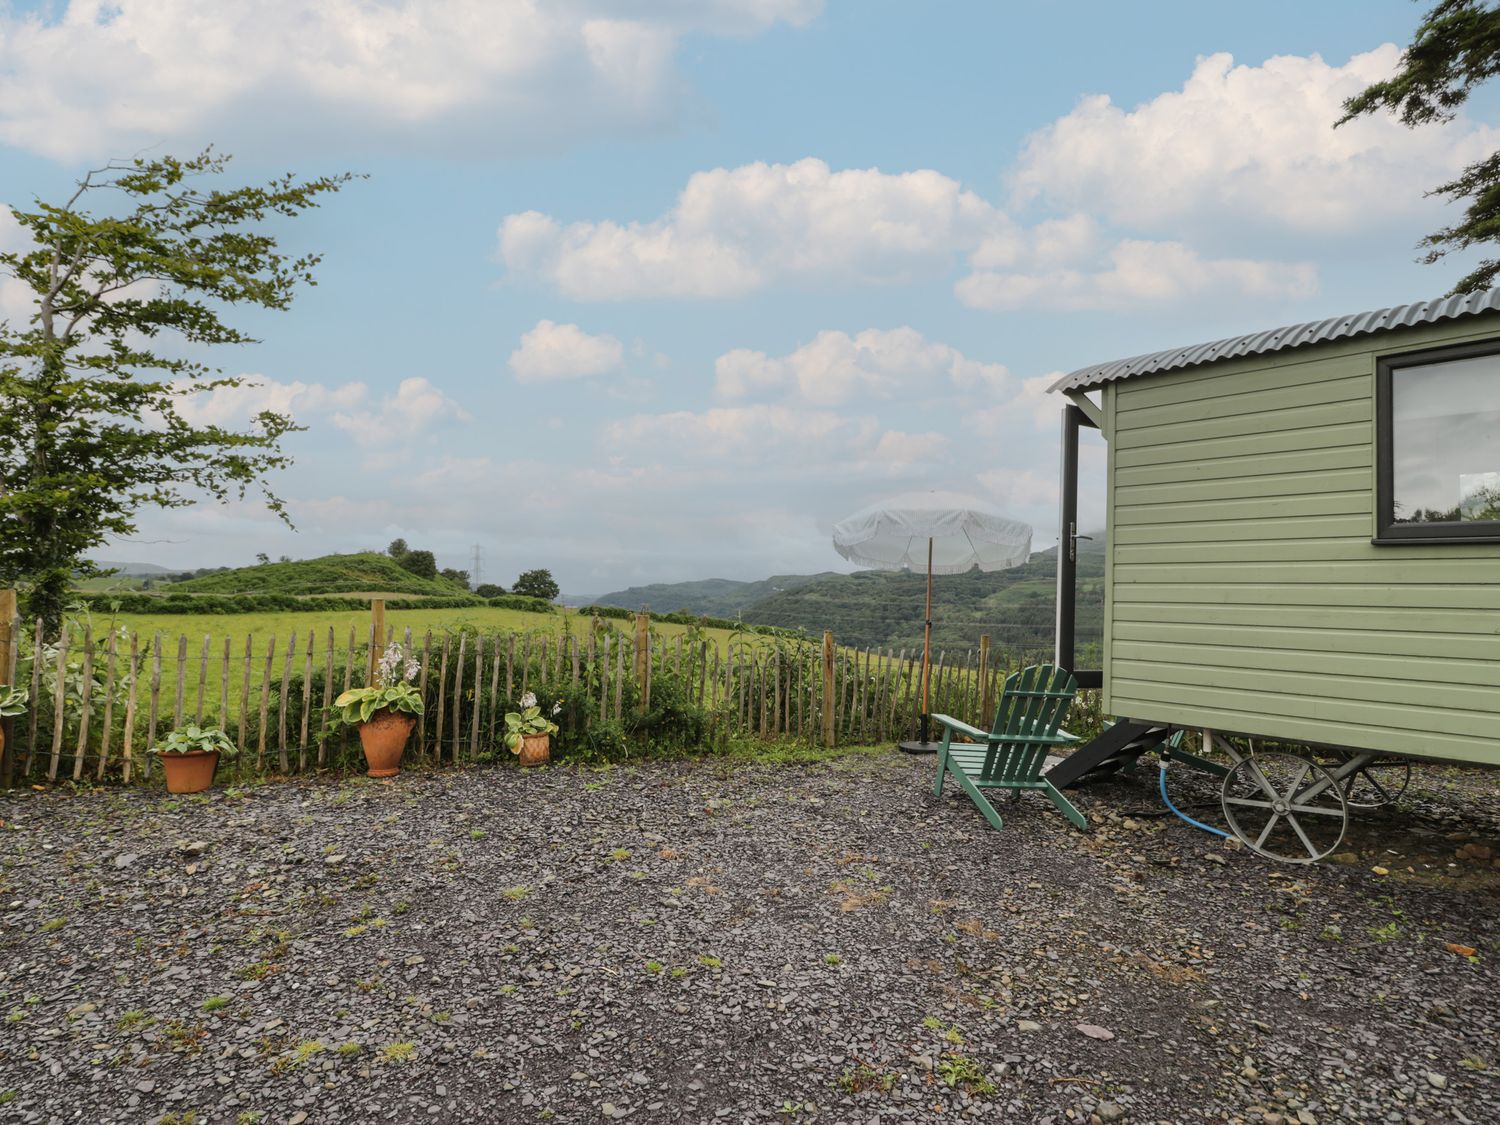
x=529 y=720
x=391 y=691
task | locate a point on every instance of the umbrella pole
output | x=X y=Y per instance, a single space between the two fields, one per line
x=927 y=642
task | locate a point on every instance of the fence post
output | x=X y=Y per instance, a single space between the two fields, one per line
x=7 y=646
x=828 y=688
x=377 y=637
x=984 y=680
x=643 y=657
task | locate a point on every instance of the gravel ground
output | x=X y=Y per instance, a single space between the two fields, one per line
x=690 y=942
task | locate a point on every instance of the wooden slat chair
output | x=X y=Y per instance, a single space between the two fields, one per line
x=1011 y=755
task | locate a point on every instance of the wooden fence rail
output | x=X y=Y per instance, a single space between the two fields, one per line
x=99 y=702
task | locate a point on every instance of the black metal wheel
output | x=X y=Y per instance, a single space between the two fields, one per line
x=1376 y=783
x=1285 y=807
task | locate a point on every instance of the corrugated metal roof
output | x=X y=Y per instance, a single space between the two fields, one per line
x=1278 y=339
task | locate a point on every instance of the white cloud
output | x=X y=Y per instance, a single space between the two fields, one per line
x=553 y=351
x=235 y=406
x=1023 y=490
x=462 y=76
x=1032 y=401
x=836 y=367
x=1247 y=141
x=737 y=230
x=1137 y=272
x=416 y=407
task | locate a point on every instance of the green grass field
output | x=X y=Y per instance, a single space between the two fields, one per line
x=261 y=628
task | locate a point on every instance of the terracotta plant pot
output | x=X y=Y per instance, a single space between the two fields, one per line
x=536 y=749
x=384 y=739
x=192 y=772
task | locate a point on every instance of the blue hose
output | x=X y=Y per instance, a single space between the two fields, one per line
x=1162 y=777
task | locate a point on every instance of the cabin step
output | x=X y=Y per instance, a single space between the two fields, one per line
x=1125 y=741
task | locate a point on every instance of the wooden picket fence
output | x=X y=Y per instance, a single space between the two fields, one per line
x=98 y=703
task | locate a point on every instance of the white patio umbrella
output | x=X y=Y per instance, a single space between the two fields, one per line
x=954 y=532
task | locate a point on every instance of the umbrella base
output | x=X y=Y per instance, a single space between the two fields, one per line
x=918 y=747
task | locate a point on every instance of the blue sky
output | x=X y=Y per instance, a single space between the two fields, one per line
x=650 y=290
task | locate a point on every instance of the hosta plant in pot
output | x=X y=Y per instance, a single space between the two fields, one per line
x=529 y=733
x=190 y=755
x=384 y=712
x=13 y=700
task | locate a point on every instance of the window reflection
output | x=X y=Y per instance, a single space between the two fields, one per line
x=1445 y=428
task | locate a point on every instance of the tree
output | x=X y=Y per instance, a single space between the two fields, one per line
x=1455 y=48
x=536 y=584
x=421 y=563
x=124 y=305
x=457 y=577
x=398 y=549
x=262 y=558
x=489 y=590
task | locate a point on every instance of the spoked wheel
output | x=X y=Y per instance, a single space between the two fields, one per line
x=1376 y=783
x=1285 y=807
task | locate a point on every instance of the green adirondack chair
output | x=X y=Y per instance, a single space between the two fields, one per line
x=1012 y=754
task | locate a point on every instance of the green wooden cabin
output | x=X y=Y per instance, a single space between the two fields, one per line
x=1304 y=531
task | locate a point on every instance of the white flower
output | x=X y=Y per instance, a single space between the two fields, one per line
x=556 y=707
x=528 y=700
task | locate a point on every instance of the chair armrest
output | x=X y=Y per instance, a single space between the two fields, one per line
x=1061 y=738
x=954 y=724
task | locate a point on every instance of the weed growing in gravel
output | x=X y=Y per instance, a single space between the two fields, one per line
x=398 y=1052
x=1388 y=932
x=958 y=1070
x=515 y=894
x=477 y=833
x=348 y=1050
x=369 y=985
x=678 y=972
x=134 y=1018
x=708 y=961
x=401 y=908
x=620 y=855
x=214 y=1003
x=15 y=1015
x=832 y=959
x=53 y=924
x=654 y=967
x=184 y=1036
x=249 y=1117
x=856 y=1080
x=507 y=990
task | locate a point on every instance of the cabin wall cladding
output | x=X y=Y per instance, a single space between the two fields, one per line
x=100 y=699
x=1244 y=592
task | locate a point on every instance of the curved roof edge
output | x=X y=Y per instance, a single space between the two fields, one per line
x=1280 y=339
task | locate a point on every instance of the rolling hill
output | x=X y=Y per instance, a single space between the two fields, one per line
x=715 y=597
x=366 y=573
x=884 y=608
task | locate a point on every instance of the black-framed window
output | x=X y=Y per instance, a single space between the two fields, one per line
x=1437 y=445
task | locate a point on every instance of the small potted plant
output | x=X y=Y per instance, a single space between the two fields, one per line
x=529 y=733
x=384 y=712
x=190 y=755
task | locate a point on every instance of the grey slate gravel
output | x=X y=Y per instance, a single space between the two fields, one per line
x=684 y=942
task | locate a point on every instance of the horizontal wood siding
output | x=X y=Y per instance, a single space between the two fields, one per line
x=1243 y=592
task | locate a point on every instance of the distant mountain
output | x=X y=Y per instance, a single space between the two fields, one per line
x=135 y=569
x=713 y=597
x=1017 y=607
